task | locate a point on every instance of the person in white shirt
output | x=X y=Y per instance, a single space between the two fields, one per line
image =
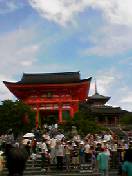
x=107 y=137
x=44 y=146
x=52 y=150
x=46 y=136
x=86 y=151
x=59 y=136
x=59 y=151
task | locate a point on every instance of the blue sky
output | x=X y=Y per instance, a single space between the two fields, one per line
x=90 y=36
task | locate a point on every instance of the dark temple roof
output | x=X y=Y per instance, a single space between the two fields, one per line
x=106 y=109
x=97 y=96
x=51 y=78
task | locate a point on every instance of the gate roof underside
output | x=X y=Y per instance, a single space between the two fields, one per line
x=65 y=82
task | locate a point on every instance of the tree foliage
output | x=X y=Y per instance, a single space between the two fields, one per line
x=127 y=118
x=85 y=122
x=17 y=116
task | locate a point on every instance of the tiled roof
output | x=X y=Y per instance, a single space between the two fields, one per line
x=106 y=109
x=97 y=96
x=51 y=78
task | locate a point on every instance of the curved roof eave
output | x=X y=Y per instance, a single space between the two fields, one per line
x=67 y=83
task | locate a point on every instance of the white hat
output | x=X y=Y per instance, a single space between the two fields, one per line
x=1 y=152
x=104 y=141
x=74 y=145
x=81 y=142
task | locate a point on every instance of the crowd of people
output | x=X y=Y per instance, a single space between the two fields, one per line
x=101 y=152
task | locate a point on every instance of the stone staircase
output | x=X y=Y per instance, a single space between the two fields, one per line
x=36 y=170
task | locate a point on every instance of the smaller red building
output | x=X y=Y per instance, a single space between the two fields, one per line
x=51 y=92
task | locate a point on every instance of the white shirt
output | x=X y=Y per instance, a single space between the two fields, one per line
x=107 y=137
x=86 y=147
x=44 y=147
x=59 y=137
x=59 y=149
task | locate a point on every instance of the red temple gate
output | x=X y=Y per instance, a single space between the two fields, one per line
x=51 y=91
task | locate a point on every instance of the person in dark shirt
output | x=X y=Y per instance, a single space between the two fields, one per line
x=16 y=158
x=98 y=149
x=75 y=156
x=28 y=148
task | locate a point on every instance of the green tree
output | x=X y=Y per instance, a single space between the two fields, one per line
x=127 y=118
x=16 y=115
x=85 y=122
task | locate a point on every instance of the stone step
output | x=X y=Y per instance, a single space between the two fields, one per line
x=37 y=171
x=58 y=173
x=75 y=174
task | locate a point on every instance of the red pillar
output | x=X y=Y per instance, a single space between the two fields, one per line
x=52 y=107
x=71 y=112
x=37 y=117
x=60 y=114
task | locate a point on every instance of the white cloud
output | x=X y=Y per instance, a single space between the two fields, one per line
x=124 y=96
x=110 y=40
x=116 y=12
x=16 y=48
x=4 y=92
x=127 y=99
x=18 y=51
x=114 y=36
x=63 y=11
x=127 y=61
x=60 y=11
x=55 y=67
x=104 y=81
x=8 y=6
x=26 y=63
x=111 y=84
